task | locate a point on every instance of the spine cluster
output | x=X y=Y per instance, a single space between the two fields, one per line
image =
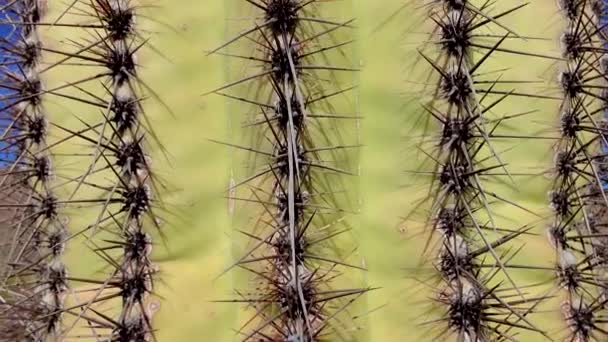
x=117 y=182
x=294 y=254
x=35 y=276
x=578 y=197
x=122 y=139
x=480 y=300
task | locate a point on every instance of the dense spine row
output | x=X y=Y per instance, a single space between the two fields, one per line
x=115 y=185
x=596 y=218
x=294 y=253
x=52 y=283
x=578 y=198
x=121 y=140
x=598 y=208
x=479 y=299
x=571 y=266
x=36 y=273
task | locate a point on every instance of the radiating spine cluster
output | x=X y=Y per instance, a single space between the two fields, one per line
x=473 y=256
x=569 y=267
x=577 y=197
x=599 y=184
x=117 y=182
x=36 y=303
x=35 y=266
x=122 y=142
x=295 y=254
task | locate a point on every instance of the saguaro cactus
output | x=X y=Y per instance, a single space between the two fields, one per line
x=573 y=172
x=294 y=254
x=473 y=256
x=35 y=280
x=127 y=209
x=117 y=179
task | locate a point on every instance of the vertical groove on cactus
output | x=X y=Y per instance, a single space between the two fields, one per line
x=479 y=299
x=294 y=255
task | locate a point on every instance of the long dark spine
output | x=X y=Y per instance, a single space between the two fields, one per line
x=293 y=258
x=122 y=199
x=36 y=255
x=463 y=161
x=134 y=276
x=577 y=196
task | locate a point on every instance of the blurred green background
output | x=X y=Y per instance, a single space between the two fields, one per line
x=198 y=229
